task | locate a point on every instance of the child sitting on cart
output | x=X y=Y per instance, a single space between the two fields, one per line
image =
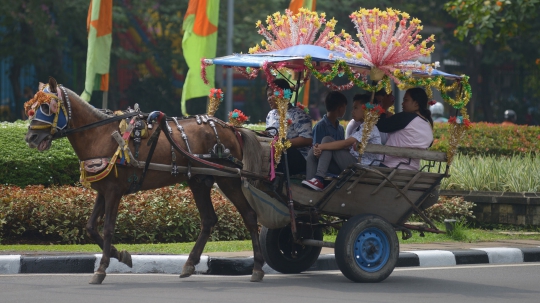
x=336 y=105
x=334 y=156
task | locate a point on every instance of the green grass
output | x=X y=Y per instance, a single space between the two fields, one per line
x=169 y=248
x=462 y=234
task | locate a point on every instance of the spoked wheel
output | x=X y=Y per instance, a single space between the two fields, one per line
x=367 y=249
x=282 y=254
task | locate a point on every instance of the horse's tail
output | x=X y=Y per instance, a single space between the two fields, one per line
x=252 y=151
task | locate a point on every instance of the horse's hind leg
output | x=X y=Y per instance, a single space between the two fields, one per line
x=201 y=193
x=231 y=187
x=91 y=229
x=112 y=200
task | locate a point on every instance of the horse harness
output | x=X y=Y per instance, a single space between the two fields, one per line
x=137 y=129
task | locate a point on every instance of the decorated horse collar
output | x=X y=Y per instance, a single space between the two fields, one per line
x=53 y=109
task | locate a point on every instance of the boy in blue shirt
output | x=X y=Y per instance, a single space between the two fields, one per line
x=336 y=104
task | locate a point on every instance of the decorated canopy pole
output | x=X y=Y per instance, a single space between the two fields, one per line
x=282 y=98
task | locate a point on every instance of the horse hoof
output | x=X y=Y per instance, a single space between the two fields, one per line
x=187 y=271
x=125 y=258
x=257 y=276
x=98 y=278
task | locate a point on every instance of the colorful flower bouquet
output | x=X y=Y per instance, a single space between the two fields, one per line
x=237 y=118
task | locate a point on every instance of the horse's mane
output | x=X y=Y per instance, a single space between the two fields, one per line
x=96 y=112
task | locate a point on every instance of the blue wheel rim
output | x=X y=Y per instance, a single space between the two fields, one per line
x=371 y=249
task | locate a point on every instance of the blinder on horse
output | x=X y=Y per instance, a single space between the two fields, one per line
x=49 y=108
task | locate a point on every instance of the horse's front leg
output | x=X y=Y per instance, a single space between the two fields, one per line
x=92 y=230
x=201 y=194
x=231 y=187
x=112 y=201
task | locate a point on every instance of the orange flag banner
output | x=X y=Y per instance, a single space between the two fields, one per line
x=295 y=7
x=199 y=41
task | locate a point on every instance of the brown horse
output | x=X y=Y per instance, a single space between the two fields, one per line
x=96 y=142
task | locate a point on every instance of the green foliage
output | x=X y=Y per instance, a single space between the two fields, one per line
x=21 y=166
x=450 y=208
x=491 y=139
x=498 y=20
x=491 y=173
x=60 y=214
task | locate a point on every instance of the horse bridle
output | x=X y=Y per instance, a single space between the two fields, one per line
x=57 y=132
x=65 y=109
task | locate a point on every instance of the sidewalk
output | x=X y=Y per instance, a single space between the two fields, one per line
x=241 y=263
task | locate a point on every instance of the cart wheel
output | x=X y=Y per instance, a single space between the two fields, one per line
x=282 y=254
x=367 y=249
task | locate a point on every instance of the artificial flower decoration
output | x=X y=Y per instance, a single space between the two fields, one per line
x=373 y=108
x=459 y=120
x=215 y=96
x=302 y=107
x=237 y=118
x=288 y=30
x=432 y=102
x=40 y=98
x=371 y=116
x=387 y=41
x=282 y=98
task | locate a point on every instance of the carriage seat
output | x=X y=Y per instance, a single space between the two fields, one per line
x=432 y=157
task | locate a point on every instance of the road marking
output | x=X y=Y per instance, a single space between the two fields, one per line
x=325 y=272
x=468 y=266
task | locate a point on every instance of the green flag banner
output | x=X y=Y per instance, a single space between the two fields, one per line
x=199 y=41
x=99 y=25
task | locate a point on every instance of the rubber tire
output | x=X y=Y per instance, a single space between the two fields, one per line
x=350 y=232
x=277 y=246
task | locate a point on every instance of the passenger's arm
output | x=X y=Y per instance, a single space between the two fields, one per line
x=336 y=145
x=395 y=122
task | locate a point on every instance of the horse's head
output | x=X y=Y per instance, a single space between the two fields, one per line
x=47 y=113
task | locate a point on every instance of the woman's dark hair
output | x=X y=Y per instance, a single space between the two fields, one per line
x=334 y=100
x=419 y=95
x=362 y=98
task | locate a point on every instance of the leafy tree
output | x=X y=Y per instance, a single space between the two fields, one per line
x=39 y=33
x=501 y=34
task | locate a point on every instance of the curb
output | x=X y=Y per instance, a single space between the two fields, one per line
x=172 y=264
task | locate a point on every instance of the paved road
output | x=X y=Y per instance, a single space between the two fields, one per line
x=514 y=283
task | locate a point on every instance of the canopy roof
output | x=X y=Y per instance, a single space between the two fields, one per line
x=293 y=57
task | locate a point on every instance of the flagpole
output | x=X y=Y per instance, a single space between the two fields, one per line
x=230 y=32
x=105 y=99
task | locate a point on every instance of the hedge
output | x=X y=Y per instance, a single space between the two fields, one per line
x=489 y=139
x=22 y=166
x=38 y=214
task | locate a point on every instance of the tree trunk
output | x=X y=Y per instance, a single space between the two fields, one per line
x=14 y=76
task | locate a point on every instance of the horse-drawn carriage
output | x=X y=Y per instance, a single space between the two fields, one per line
x=367 y=204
